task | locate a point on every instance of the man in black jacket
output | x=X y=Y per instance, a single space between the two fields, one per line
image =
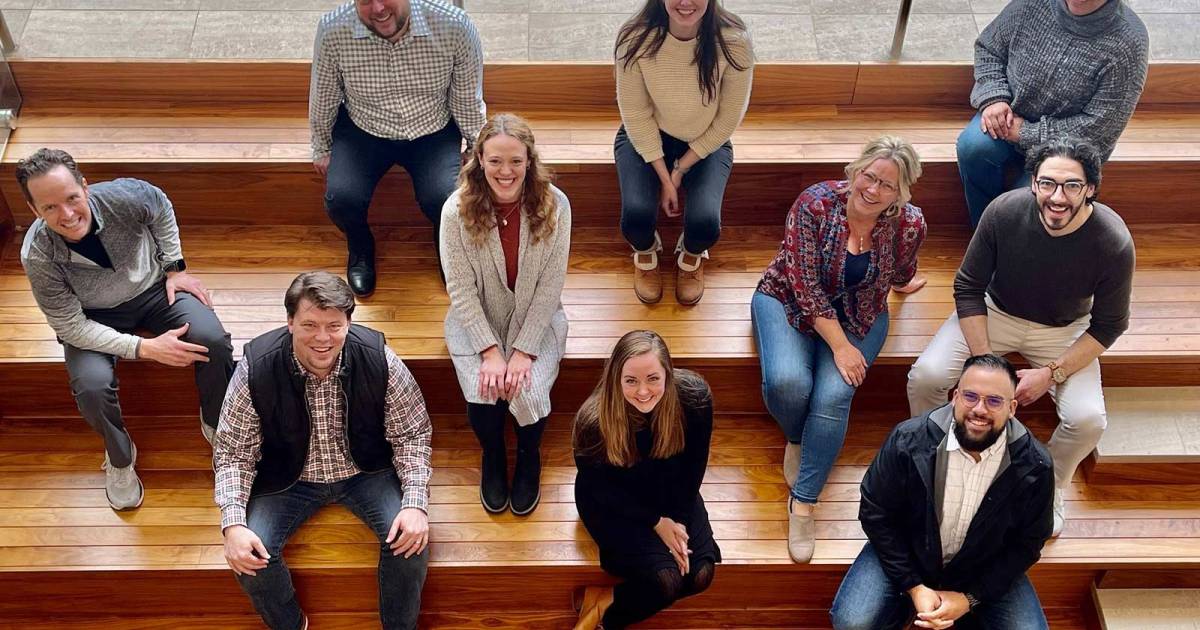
x=956 y=507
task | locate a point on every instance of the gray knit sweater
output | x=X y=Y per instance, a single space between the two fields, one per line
x=1064 y=74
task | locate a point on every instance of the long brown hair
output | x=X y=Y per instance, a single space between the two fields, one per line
x=475 y=204
x=645 y=32
x=603 y=426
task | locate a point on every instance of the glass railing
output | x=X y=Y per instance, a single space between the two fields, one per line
x=10 y=98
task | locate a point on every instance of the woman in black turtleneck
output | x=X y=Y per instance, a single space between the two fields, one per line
x=641 y=446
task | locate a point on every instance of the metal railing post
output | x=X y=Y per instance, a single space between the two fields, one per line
x=901 y=29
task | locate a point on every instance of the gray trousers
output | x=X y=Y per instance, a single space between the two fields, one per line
x=93 y=374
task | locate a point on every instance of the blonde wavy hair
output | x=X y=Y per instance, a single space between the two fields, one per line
x=476 y=207
x=902 y=154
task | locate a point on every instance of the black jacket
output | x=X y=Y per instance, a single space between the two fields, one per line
x=277 y=390
x=902 y=503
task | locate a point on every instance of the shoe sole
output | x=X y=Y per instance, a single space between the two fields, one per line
x=645 y=301
x=536 y=500
x=489 y=508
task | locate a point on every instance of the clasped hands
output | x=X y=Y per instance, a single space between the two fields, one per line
x=1000 y=122
x=937 y=609
x=674 y=535
x=500 y=379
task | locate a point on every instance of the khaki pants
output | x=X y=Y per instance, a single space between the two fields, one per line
x=1080 y=400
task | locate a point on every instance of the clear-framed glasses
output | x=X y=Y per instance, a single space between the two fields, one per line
x=1048 y=186
x=994 y=403
x=879 y=184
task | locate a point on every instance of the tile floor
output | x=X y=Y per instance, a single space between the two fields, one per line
x=563 y=30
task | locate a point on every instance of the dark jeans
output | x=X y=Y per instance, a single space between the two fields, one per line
x=867 y=600
x=985 y=165
x=704 y=183
x=374 y=498
x=803 y=389
x=93 y=374
x=359 y=160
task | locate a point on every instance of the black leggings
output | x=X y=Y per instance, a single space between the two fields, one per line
x=641 y=596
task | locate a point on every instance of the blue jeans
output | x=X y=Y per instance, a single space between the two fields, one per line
x=984 y=164
x=375 y=498
x=867 y=600
x=803 y=389
x=704 y=183
x=358 y=160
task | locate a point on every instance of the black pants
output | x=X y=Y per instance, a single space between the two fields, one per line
x=359 y=160
x=644 y=594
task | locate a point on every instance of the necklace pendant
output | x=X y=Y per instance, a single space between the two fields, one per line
x=503 y=222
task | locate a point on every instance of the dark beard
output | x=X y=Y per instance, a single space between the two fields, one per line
x=975 y=446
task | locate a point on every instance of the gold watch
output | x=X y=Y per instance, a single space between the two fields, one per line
x=1057 y=373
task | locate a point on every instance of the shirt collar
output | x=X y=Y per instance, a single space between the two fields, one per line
x=418 y=24
x=333 y=372
x=991 y=451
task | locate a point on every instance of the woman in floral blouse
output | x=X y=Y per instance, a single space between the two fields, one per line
x=820 y=312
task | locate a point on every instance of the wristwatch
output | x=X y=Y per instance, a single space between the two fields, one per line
x=1057 y=373
x=175 y=265
x=972 y=601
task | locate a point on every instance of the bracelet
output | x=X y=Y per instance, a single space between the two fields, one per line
x=676 y=167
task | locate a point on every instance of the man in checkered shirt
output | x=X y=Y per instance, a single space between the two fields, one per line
x=322 y=411
x=393 y=82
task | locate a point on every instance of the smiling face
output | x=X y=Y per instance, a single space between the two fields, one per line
x=983 y=402
x=685 y=15
x=61 y=202
x=505 y=162
x=875 y=188
x=385 y=18
x=643 y=381
x=318 y=335
x=1051 y=184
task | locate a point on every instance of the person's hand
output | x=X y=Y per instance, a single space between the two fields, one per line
x=491 y=374
x=916 y=284
x=953 y=606
x=674 y=536
x=244 y=550
x=517 y=375
x=924 y=599
x=851 y=363
x=677 y=177
x=668 y=198
x=321 y=165
x=995 y=120
x=1014 y=129
x=409 y=534
x=169 y=349
x=1032 y=385
x=183 y=281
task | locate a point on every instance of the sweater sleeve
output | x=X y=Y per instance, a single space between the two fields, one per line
x=883 y=500
x=460 y=281
x=734 y=98
x=159 y=217
x=906 y=258
x=637 y=110
x=991 y=58
x=803 y=256
x=698 y=437
x=65 y=315
x=547 y=296
x=599 y=483
x=978 y=266
x=1105 y=115
x=325 y=92
x=1110 y=303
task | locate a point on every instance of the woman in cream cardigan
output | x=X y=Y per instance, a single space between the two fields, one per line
x=505 y=236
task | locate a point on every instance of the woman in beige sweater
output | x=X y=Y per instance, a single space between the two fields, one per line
x=505 y=237
x=684 y=70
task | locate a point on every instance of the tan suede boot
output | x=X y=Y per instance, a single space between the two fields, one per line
x=689 y=280
x=647 y=280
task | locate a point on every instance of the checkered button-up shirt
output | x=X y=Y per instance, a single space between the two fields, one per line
x=238 y=446
x=400 y=90
x=967 y=481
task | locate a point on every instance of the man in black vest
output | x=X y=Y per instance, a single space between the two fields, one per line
x=322 y=411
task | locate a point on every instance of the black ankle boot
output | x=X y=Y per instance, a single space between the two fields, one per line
x=493 y=468
x=527 y=478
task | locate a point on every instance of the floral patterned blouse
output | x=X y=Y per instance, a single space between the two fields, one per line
x=807 y=275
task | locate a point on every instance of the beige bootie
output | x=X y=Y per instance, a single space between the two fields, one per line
x=647 y=280
x=689 y=279
x=802 y=535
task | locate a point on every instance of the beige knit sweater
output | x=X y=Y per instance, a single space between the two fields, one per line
x=663 y=92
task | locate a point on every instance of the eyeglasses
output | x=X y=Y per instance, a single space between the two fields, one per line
x=1048 y=186
x=872 y=180
x=994 y=403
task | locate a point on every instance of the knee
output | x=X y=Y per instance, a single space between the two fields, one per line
x=637 y=213
x=926 y=375
x=668 y=587
x=786 y=395
x=843 y=619
x=212 y=336
x=94 y=386
x=433 y=195
x=703 y=578
x=1086 y=420
x=344 y=199
x=974 y=145
x=703 y=233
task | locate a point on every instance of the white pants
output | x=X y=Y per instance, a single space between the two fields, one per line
x=1080 y=400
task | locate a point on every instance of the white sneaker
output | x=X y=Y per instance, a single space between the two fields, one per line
x=121 y=485
x=1060 y=513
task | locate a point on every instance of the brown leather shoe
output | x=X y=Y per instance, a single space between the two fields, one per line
x=647 y=280
x=689 y=280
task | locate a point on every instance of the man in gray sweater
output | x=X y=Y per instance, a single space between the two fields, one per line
x=1045 y=69
x=1048 y=274
x=104 y=261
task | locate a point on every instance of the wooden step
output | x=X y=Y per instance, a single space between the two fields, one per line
x=1148 y=608
x=1153 y=434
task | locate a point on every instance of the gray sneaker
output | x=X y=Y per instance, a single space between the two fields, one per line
x=121 y=485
